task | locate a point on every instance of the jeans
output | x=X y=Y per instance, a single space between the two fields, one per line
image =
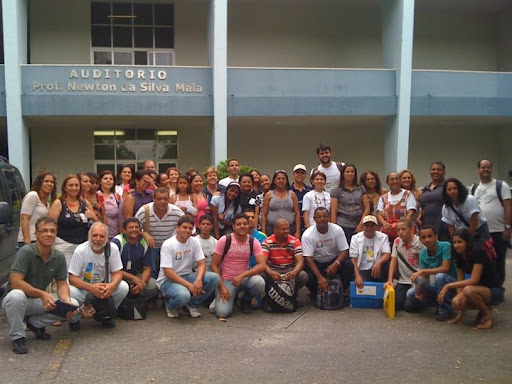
x=500 y=246
x=177 y=295
x=155 y=262
x=345 y=272
x=17 y=306
x=80 y=294
x=252 y=286
x=412 y=304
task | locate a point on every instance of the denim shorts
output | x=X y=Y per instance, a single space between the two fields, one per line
x=497 y=295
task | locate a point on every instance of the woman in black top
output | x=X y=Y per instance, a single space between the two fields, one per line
x=478 y=291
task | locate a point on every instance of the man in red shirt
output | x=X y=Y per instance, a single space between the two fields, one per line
x=283 y=253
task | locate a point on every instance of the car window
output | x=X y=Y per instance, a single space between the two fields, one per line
x=15 y=194
x=2 y=194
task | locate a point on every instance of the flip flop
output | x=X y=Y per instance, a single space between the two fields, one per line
x=478 y=319
x=484 y=324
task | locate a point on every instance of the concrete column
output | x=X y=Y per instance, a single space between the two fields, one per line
x=397 y=44
x=15 y=52
x=217 y=44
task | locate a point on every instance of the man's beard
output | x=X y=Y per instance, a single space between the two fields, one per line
x=97 y=247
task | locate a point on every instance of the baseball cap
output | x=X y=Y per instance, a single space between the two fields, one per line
x=299 y=166
x=370 y=218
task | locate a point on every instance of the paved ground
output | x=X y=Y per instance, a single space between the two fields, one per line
x=310 y=346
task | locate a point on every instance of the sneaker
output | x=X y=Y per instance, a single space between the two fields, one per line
x=108 y=323
x=194 y=312
x=446 y=316
x=19 y=346
x=40 y=333
x=211 y=308
x=74 y=327
x=171 y=313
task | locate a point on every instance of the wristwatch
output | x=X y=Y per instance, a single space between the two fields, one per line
x=337 y=262
x=507 y=226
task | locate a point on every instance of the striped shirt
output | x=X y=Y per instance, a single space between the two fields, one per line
x=160 y=229
x=281 y=254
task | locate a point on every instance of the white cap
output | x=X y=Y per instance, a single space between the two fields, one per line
x=299 y=166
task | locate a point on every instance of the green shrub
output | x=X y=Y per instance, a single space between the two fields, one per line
x=222 y=167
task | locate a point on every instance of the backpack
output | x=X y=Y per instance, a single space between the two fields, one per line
x=281 y=296
x=339 y=165
x=499 y=183
x=228 y=244
x=333 y=298
x=122 y=241
x=133 y=308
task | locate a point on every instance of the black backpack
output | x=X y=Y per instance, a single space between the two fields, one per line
x=228 y=244
x=339 y=165
x=333 y=298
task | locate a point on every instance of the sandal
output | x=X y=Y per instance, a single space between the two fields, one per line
x=457 y=319
x=485 y=323
x=478 y=319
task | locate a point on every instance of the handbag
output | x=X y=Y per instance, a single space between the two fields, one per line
x=281 y=296
x=105 y=308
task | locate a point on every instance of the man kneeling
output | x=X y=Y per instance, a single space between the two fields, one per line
x=181 y=286
x=283 y=253
x=34 y=267
x=89 y=277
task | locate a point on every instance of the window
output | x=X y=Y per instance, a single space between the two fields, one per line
x=134 y=146
x=132 y=34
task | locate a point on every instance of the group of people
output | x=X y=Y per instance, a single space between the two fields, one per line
x=197 y=240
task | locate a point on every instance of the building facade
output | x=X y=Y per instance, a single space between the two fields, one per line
x=389 y=84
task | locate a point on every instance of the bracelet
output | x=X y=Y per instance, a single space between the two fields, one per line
x=337 y=262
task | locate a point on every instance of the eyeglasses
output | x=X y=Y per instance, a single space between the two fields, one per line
x=45 y=231
x=280 y=171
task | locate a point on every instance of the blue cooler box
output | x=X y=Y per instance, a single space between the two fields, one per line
x=370 y=296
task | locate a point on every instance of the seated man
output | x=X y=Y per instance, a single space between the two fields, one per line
x=34 y=267
x=283 y=253
x=370 y=253
x=406 y=255
x=436 y=270
x=181 y=286
x=231 y=262
x=87 y=273
x=325 y=251
x=136 y=259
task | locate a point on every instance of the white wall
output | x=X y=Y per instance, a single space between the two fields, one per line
x=504 y=27
x=70 y=149
x=303 y=35
x=268 y=146
x=459 y=148
x=454 y=41
x=191 y=33
x=60 y=32
x=62 y=150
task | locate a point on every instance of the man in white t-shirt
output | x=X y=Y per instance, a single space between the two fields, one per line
x=233 y=268
x=325 y=251
x=179 y=284
x=234 y=173
x=497 y=211
x=87 y=273
x=370 y=253
x=331 y=169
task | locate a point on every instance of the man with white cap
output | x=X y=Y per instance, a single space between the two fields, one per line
x=370 y=253
x=300 y=189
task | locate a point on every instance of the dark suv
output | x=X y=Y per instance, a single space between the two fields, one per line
x=12 y=191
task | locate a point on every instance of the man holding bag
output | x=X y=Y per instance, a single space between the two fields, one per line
x=94 y=272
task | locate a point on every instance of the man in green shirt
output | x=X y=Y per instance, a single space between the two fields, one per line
x=34 y=267
x=436 y=270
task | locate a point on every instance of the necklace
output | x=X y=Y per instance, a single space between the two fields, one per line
x=371 y=195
